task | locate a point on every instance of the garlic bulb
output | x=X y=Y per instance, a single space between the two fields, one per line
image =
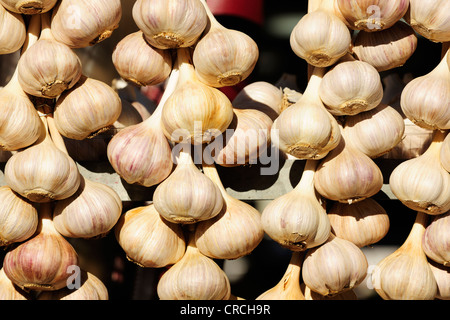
x=320 y=38
x=297 y=220
x=91 y=288
x=194 y=277
x=29 y=7
x=148 y=239
x=436 y=239
x=347 y=175
x=421 y=183
x=18 y=217
x=224 y=57
x=187 y=195
x=306 y=130
x=170 y=24
x=12 y=31
x=426 y=99
x=406 y=274
x=244 y=141
x=48 y=67
x=84 y=23
x=87 y=109
x=42 y=263
x=442 y=276
x=42 y=172
x=140 y=153
x=351 y=87
x=372 y=16
x=375 y=132
x=445 y=153
x=262 y=96
x=9 y=291
x=363 y=223
x=128 y=116
x=387 y=49
x=195 y=112
x=288 y=288
x=334 y=267
x=235 y=232
x=430 y=19
x=89 y=213
x=311 y=295
x=140 y=63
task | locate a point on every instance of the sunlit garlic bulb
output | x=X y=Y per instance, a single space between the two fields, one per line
x=445 y=153
x=442 y=276
x=436 y=239
x=12 y=31
x=9 y=291
x=170 y=24
x=29 y=7
x=148 y=239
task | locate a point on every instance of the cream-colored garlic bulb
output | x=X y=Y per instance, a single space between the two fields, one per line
x=195 y=112
x=140 y=153
x=386 y=49
x=12 y=31
x=334 y=267
x=298 y=220
x=445 y=153
x=9 y=291
x=406 y=274
x=87 y=109
x=320 y=38
x=84 y=23
x=235 y=232
x=306 y=130
x=43 y=172
x=347 y=175
x=29 y=7
x=430 y=19
x=89 y=213
x=363 y=223
x=48 y=67
x=262 y=96
x=426 y=99
x=244 y=141
x=436 y=239
x=224 y=57
x=140 y=63
x=421 y=183
x=18 y=217
x=288 y=288
x=351 y=87
x=44 y=262
x=375 y=132
x=311 y=295
x=187 y=195
x=372 y=16
x=90 y=288
x=170 y=24
x=442 y=277
x=148 y=239
x=194 y=277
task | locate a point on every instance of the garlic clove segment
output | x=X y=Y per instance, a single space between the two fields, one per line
x=445 y=153
x=334 y=267
x=138 y=62
x=12 y=31
x=149 y=240
x=194 y=277
x=297 y=220
x=9 y=291
x=320 y=38
x=406 y=274
x=436 y=239
x=18 y=217
x=170 y=24
x=84 y=23
x=224 y=57
x=91 y=212
x=44 y=262
x=421 y=183
x=28 y=7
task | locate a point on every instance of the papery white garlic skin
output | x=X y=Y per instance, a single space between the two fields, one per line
x=12 y=31
x=436 y=239
x=29 y=7
x=9 y=291
x=442 y=276
x=445 y=152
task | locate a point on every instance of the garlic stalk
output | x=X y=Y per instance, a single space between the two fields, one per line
x=406 y=274
x=436 y=239
x=28 y=7
x=12 y=31
x=140 y=153
x=297 y=220
x=223 y=57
